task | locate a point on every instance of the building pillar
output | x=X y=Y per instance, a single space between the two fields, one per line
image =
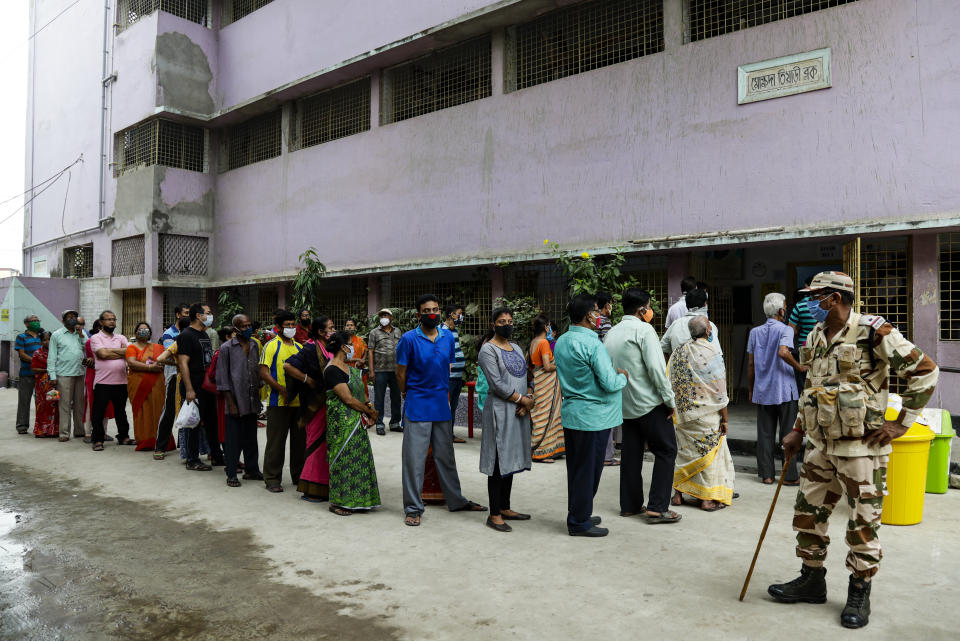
x=375 y=99
x=497 y=56
x=496 y=284
x=926 y=292
x=373 y=295
x=673 y=24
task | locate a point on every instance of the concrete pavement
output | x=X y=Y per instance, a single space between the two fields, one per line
x=452 y=578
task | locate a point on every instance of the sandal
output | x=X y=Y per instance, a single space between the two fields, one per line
x=310 y=499
x=62 y=439
x=413 y=520
x=340 y=511
x=457 y=439
x=470 y=506
x=664 y=517
x=611 y=463
x=544 y=460
x=198 y=466
x=233 y=482
x=126 y=441
x=276 y=489
x=159 y=456
x=98 y=447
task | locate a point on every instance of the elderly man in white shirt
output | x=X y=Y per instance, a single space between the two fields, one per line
x=679 y=332
x=679 y=308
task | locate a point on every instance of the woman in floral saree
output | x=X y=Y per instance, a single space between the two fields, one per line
x=47 y=424
x=704 y=467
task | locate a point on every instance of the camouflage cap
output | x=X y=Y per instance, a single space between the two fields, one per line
x=833 y=280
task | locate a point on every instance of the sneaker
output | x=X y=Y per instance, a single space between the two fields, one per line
x=856 y=613
x=809 y=587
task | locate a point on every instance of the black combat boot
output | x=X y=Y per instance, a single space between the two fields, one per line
x=809 y=587
x=856 y=613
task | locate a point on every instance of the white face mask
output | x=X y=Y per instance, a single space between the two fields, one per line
x=208 y=320
x=289 y=332
x=384 y=321
x=350 y=353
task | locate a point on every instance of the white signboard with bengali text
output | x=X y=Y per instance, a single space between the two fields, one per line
x=784 y=76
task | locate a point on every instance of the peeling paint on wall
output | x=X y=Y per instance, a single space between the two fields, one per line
x=184 y=74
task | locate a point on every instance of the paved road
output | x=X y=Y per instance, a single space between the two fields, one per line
x=114 y=545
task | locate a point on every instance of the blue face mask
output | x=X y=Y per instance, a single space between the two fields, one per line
x=550 y=334
x=819 y=314
x=710 y=338
x=246 y=333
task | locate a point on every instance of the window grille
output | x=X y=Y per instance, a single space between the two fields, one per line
x=950 y=286
x=181 y=255
x=254 y=140
x=442 y=79
x=651 y=275
x=161 y=142
x=545 y=283
x=334 y=113
x=341 y=299
x=233 y=10
x=127 y=256
x=709 y=18
x=584 y=37
x=886 y=287
x=78 y=261
x=402 y=291
x=173 y=296
x=131 y=11
x=134 y=310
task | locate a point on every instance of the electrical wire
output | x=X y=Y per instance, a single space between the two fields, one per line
x=43 y=182
x=35 y=33
x=24 y=205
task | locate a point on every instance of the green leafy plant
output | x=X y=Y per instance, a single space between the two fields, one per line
x=309 y=280
x=229 y=305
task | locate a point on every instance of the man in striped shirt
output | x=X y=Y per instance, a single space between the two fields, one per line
x=802 y=322
x=453 y=318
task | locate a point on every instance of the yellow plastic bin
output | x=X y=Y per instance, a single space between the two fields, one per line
x=907 y=477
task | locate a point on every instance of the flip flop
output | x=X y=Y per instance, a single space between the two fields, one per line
x=470 y=506
x=98 y=447
x=664 y=517
x=413 y=520
x=339 y=511
x=611 y=463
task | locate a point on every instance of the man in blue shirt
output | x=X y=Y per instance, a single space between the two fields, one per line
x=591 y=408
x=25 y=345
x=424 y=356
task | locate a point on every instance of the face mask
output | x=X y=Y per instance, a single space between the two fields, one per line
x=208 y=320
x=710 y=337
x=504 y=331
x=330 y=333
x=34 y=326
x=429 y=321
x=550 y=334
x=289 y=332
x=648 y=316
x=351 y=331
x=305 y=322
x=819 y=314
x=458 y=321
x=245 y=333
x=350 y=353
x=183 y=323
x=70 y=322
x=384 y=322
x=143 y=333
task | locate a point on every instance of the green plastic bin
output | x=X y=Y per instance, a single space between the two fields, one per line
x=938 y=466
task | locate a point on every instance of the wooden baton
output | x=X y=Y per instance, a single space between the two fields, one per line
x=766 y=524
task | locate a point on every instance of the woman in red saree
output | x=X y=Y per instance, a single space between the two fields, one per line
x=47 y=424
x=145 y=387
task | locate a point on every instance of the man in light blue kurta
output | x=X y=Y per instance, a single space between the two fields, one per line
x=591 y=407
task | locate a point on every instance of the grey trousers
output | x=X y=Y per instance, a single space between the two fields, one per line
x=73 y=399
x=616 y=435
x=769 y=437
x=24 y=400
x=417 y=438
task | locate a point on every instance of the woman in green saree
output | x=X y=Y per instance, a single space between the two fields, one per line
x=353 y=477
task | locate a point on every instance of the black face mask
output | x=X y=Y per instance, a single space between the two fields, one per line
x=504 y=331
x=183 y=323
x=108 y=330
x=429 y=321
x=305 y=322
x=70 y=322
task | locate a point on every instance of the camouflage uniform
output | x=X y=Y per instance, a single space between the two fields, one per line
x=844 y=398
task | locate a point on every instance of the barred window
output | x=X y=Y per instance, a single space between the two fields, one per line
x=161 y=142
x=181 y=255
x=950 y=286
x=442 y=79
x=130 y=11
x=254 y=140
x=463 y=288
x=233 y=10
x=78 y=261
x=333 y=114
x=584 y=37
x=709 y=18
x=127 y=256
x=344 y=298
x=173 y=296
x=133 y=310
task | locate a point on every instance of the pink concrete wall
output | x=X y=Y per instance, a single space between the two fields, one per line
x=285 y=41
x=135 y=92
x=650 y=147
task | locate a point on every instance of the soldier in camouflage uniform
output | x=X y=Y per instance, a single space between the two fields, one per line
x=848 y=441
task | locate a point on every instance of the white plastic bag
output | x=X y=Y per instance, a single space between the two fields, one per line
x=188 y=417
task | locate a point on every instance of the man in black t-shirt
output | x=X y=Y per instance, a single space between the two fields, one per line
x=194 y=353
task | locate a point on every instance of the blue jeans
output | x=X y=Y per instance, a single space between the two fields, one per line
x=381 y=380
